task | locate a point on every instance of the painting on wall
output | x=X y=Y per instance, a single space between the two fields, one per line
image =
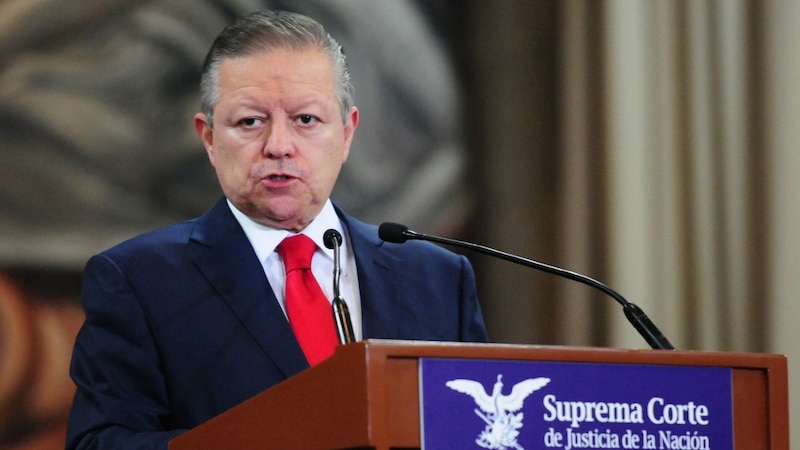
x=97 y=145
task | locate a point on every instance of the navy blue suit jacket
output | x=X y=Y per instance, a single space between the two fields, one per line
x=181 y=324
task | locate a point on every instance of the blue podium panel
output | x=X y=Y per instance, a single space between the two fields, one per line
x=514 y=405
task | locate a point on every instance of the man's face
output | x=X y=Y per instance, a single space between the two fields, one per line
x=278 y=141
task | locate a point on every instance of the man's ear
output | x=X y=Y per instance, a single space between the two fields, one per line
x=206 y=133
x=350 y=126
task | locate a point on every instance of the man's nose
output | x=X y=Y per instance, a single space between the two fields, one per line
x=279 y=142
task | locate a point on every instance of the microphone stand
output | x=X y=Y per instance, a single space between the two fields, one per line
x=341 y=313
x=634 y=314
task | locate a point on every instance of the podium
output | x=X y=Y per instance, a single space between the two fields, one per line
x=366 y=396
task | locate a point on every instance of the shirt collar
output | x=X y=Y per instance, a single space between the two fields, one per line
x=266 y=239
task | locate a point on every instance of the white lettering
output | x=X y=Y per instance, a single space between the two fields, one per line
x=687 y=441
x=660 y=413
x=591 y=439
x=577 y=412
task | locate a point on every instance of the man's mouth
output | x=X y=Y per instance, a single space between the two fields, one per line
x=278 y=180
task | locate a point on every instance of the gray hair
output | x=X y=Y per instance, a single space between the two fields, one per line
x=265 y=30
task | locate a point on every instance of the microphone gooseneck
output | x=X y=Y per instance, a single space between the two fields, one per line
x=341 y=313
x=398 y=234
x=332 y=240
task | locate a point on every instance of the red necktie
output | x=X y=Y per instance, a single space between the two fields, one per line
x=308 y=309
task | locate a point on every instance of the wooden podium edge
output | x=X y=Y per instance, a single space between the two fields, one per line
x=372 y=389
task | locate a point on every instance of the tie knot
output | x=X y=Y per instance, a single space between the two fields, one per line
x=296 y=252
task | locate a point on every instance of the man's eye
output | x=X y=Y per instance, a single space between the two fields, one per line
x=250 y=121
x=306 y=119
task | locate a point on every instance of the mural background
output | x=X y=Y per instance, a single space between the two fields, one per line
x=97 y=144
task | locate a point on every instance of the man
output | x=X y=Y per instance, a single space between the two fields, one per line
x=188 y=321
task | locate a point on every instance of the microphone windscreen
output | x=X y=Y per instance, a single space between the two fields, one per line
x=393 y=232
x=332 y=238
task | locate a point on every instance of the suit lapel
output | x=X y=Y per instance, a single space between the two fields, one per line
x=228 y=261
x=378 y=281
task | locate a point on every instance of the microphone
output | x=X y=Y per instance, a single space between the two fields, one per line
x=398 y=234
x=341 y=314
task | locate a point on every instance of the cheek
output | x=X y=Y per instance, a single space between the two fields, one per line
x=330 y=166
x=232 y=165
x=232 y=152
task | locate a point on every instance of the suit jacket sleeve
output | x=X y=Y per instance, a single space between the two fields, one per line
x=120 y=385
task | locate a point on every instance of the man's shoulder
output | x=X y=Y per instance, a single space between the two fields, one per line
x=180 y=233
x=153 y=240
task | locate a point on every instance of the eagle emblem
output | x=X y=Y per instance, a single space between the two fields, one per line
x=499 y=411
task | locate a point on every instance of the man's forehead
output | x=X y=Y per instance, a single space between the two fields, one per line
x=298 y=76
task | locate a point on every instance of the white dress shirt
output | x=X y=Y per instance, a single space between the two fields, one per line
x=265 y=242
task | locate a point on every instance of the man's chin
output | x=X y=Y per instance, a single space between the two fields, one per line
x=293 y=219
